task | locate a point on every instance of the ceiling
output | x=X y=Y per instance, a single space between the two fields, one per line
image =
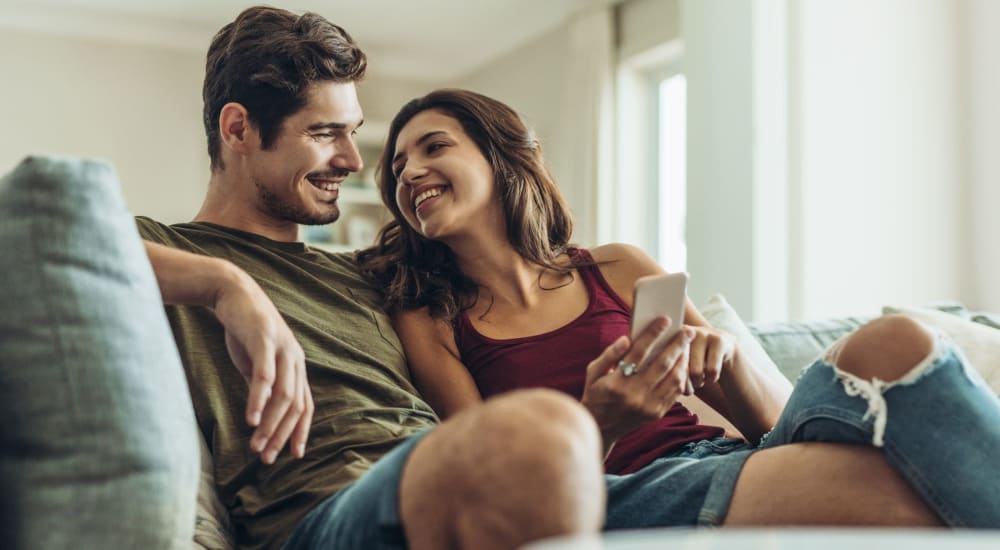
x=420 y=40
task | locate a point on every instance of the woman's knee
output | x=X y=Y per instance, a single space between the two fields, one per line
x=886 y=348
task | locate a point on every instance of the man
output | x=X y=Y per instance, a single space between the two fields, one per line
x=280 y=112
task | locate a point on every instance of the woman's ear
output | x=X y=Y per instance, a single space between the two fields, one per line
x=235 y=130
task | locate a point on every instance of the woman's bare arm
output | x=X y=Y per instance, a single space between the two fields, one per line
x=435 y=364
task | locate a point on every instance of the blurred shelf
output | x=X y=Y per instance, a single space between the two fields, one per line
x=350 y=194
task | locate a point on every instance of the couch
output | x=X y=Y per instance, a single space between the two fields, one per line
x=100 y=448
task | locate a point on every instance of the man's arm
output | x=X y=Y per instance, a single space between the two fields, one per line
x=260 y=343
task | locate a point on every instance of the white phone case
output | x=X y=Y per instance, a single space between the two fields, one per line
x=658 y=295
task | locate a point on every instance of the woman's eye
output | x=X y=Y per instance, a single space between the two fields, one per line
x=434 y=147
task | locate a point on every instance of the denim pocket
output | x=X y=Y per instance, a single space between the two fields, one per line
x=715 y=447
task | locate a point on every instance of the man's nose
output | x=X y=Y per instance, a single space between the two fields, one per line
x=348 y=157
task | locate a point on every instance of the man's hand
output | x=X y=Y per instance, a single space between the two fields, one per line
x=260 y=343
x=266 y=353
x=621 y=403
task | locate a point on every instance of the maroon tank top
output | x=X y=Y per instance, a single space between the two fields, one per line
x=558 y=359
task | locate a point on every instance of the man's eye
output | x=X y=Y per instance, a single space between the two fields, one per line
x=323 y=136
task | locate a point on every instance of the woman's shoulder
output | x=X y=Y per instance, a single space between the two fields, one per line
x=417 y=325
x=621 y=264
x=625 y=258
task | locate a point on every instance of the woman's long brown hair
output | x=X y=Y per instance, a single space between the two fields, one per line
x=417 y=272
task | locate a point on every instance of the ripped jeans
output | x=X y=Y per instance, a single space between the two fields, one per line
x=939 y=427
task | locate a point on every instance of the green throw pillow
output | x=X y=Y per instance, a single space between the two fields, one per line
x=98 y=448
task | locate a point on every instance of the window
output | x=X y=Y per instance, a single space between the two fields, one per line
x=671 y=180
x=651 y=192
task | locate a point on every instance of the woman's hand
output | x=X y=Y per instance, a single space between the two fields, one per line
x=711 y=351
x=622 y=402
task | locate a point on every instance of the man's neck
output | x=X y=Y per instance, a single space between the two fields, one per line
x=227 y=204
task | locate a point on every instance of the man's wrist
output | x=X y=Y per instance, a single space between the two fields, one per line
x=225 y=279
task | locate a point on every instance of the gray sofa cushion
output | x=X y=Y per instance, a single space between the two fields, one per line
x=793 y=345
x=98 y=448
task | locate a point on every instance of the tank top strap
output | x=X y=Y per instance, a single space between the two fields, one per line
x=593 y=279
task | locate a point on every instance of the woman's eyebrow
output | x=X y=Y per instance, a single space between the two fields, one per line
x=422 y=139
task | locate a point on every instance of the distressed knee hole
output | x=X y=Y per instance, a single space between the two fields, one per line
x=873 y=390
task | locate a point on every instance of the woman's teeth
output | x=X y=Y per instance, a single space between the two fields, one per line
x=426 y=195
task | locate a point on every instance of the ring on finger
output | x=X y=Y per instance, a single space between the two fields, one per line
x=628 y=369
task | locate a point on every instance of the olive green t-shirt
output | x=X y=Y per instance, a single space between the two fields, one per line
x=365 y=401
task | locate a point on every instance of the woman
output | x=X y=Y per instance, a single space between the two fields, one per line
x=487 y=296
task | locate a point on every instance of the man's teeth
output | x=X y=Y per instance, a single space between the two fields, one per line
x=326 y=186
x=426 y=195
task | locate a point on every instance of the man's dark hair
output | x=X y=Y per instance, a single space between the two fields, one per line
x=266 y=61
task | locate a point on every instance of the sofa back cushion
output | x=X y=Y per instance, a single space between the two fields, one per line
x=98 y=448
x=977 y=336
x=794 y=345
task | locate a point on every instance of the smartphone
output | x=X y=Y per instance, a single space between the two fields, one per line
x=657 y=295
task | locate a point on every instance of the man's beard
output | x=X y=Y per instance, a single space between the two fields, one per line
x=293 y=213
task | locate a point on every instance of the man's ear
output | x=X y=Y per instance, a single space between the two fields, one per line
x=235 y=129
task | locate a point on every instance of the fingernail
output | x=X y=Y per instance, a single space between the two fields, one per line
x=255 y=418
x=269 y=457
x=257 y=444
x=301 y=450
x=621 y=345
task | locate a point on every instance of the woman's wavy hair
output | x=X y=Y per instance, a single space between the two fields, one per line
x=416 y=272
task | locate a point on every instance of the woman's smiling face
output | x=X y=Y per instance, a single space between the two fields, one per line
x=443 y=181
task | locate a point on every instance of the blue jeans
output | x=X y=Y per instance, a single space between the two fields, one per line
x=938 y=426
x=365 y=514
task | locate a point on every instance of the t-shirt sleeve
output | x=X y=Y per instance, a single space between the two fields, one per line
x=151 y=230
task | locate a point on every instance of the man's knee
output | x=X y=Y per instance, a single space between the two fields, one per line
x=540 y=417
x=886 y=348
x=522 y=466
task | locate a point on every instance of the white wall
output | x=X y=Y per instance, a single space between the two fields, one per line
x=381 y=98
x=880 y=170
x=550 y=82
x=139 y=107
x=647 y=24
x=980 y=21
x=720 y=166
x=531 y=79
x=870 y=143
x=562 y=83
